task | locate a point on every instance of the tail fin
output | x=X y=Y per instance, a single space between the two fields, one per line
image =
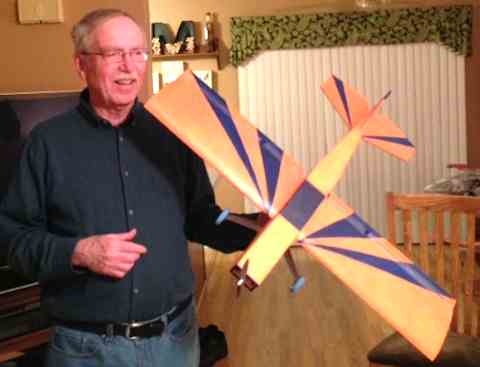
x=382 y=132
x=375 y=128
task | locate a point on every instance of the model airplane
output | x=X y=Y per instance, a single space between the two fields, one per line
x=304 y=209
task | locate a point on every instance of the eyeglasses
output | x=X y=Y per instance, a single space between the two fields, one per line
x=118 y=56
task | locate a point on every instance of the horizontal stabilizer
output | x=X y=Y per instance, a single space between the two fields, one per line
x=376 y=128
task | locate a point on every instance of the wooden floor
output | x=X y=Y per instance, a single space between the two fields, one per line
x=324 y=325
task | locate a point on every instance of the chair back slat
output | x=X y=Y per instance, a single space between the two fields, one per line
x=438 y=233
x=440 y=249
x=391 y=219
x=455 y=243
x=423 y=229
x=474 y=329
x=470 y=274
x=407 y=232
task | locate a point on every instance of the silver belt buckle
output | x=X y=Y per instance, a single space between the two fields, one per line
x=128 y=328
x=130 y=325
x=127 y=331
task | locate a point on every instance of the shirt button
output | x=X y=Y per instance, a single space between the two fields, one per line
x=120 y=138
x=126 y=173
x=130 y=212
x=136 y=291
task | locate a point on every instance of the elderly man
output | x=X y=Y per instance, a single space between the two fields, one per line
x=100 y=211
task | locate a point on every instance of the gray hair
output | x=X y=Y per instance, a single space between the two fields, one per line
x=82 y=31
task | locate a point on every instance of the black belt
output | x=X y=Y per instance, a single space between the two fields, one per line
x=133 y=330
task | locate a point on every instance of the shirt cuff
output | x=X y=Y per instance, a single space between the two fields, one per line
x=63 y=267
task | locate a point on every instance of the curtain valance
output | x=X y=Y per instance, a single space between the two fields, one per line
x=450 y=26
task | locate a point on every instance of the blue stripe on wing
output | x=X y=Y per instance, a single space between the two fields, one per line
x=352 y=226
x=221 y=110
x=391 y=139
x=272 y=160
x=341 y=91
x=408 y=272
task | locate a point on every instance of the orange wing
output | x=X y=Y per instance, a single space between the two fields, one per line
x=228 y=142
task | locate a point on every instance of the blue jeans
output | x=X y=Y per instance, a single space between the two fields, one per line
x=178 y=346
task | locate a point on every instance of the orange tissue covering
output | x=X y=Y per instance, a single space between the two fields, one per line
x=303 y=208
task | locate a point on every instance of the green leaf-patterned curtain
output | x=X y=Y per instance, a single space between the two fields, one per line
x=450 y=26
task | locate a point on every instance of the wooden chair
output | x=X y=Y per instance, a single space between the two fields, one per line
x=438 y=233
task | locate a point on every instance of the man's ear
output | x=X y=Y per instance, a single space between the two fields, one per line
x=80 y=66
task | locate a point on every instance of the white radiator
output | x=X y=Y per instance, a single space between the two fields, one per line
x=280 y=93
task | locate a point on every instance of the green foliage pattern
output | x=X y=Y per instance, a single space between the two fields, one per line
x=450 y=26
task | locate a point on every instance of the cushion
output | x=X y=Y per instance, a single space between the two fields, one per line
x=458 y=351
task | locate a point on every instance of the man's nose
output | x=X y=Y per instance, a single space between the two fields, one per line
x=127 y=61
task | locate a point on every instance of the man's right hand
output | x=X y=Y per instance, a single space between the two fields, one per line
x=109 y=254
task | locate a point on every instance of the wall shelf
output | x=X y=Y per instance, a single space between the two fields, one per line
x=189 y=56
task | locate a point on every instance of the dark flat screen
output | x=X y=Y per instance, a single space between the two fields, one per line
x=18 y=115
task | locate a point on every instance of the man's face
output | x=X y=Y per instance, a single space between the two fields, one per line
x=113 y=86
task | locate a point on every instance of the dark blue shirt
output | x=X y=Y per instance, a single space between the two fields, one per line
x=79 y=176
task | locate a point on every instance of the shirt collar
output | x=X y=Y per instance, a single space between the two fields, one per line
x=87 y=111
